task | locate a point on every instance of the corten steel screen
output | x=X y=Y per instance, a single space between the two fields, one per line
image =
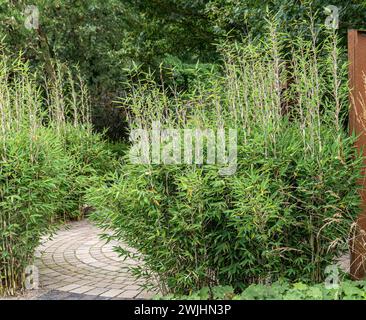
x=357 y=124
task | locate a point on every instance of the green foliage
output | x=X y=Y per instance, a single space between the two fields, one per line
x=42 y=182
x=248 y=18
x=94 y=35
x=346 y=290
x=175 y=27
x=283 y=216
x=288 y=210
x=91 y=159
x=105 y=38
x=31 y=193
x=48 y=158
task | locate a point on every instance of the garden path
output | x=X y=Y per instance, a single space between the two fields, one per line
x=76 y=264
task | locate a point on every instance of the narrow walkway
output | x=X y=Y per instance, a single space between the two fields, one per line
x=76 y=264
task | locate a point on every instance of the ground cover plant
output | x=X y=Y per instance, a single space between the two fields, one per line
x=290 y=207
x=49 y=157
x=346 y=290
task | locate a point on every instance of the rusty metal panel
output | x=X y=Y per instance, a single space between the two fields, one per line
x=357 y=125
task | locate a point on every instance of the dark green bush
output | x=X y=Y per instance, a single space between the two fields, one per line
x=91 y=159
x=88 y=148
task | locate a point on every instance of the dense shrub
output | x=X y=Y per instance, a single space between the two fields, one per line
x=41 y=183
x=32 y=174
x=91 y=159
x=279 y=217
x=48 y=158
x=289 y=209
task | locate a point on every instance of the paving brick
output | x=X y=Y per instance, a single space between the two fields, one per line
x=68 y=287
x=112 y=293
x=82 y=289
x=96 y=291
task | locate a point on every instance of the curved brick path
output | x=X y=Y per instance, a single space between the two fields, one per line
x=75 y=261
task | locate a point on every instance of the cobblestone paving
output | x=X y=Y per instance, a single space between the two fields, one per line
x=76 y=264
